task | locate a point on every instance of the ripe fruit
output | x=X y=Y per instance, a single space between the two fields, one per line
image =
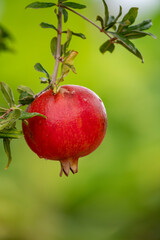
x=75 y=125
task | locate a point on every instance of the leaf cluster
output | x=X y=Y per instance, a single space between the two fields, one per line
x=123 y=31
x=67 y=56
x=13 y=113
x=5 y=37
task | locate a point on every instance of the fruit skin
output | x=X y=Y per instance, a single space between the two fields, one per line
x=75 y=126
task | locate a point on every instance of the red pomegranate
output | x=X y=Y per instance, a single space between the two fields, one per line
x=75 y=125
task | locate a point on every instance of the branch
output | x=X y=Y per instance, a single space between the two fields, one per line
x=88 y=20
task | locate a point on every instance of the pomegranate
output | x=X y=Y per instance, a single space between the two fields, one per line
x=74 y=126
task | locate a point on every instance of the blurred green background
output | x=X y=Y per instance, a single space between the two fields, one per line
x=116 y=194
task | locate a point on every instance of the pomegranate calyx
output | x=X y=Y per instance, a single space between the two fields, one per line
x=67 y=165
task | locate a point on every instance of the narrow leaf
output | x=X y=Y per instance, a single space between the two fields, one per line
x=8 y=122
x=107 y=46
x=47 y=25
x=11 y=133
x=65 y=15
x=40 y=68
x=140 y=27
x=6 y=144
x=106 y=13
x=74 y=5
x=81 y=35
x=138 y=34
x=68 y=65
x=26 y=95
x=27 y=115
x=66 y=44
x=112 y=21
x=128 y=19
x=100 y=19
x=7 y=94
x=128 y=45
x=53 y=46
x=37 y=5
x=22 y=89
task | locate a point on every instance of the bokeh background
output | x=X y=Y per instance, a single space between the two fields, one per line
x=116 y=194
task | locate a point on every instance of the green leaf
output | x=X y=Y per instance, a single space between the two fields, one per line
x=7 y=94
x=74 y=5
x=3 y=110
x=38 y=67
x=81 y=35
x=141 y=26
x=106 y=13
x=37 y=5
x=107 y=46
x=112 y=21
x=128 y=45
x=10 y=120
x=27 y=115
x=53 y=46
x=11 y=133
x=138 y=34
x=100 y=19
x=47 y=25
x=66 y=44
x=68 y=65
x=128 y=19
x=22 y=89
x=26 y=95
x=6 y=144
x=65 y=15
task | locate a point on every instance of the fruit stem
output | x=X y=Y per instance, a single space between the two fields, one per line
x=58 y=54
x=88 y=20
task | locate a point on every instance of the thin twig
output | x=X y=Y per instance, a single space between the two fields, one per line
x=88 y=20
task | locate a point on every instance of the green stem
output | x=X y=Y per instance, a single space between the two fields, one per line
x=58 y=55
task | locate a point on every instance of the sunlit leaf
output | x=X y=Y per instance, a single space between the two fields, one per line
x=6 y=144
x=9 y=121
x=11 y=133
x=7 y=94
x=3 y=110
x=68 y=65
